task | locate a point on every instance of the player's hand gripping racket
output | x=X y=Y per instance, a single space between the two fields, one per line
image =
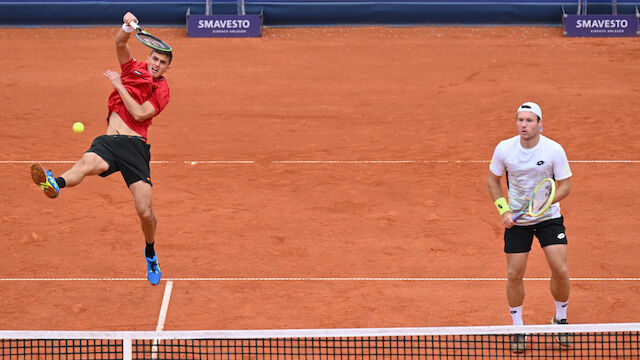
x=150 y=40
x=540 y=200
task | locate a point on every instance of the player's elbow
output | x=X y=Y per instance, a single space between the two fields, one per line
x=144 y=112
x=140 y=117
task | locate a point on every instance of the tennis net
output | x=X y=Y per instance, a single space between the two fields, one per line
x=588 y=341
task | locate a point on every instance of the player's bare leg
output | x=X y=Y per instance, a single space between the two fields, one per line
x=516 y=265
x=141 y=192
x=89 y=164
x=560 y=287
x=557 y=260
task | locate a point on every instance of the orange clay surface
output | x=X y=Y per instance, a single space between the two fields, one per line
x=365 y=156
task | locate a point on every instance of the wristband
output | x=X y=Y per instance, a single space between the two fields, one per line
x=127 y=28
x=502 y=205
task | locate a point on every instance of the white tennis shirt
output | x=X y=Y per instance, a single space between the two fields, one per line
x=525 y=168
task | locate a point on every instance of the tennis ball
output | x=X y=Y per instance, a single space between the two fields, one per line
x=78 y=127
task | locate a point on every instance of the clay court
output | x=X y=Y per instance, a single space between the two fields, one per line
x=316 y=178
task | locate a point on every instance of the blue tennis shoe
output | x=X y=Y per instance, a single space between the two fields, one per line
x=153 y=270
x=45 y=180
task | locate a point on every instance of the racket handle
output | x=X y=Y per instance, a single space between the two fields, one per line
x=134 y=25
x=516 y=216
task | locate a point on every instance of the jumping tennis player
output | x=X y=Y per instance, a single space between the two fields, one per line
x=141 y=92
x=527 y=159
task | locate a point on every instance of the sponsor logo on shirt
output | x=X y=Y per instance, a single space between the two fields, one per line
x=539 y=163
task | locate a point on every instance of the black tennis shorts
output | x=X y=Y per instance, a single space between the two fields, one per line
x=128 y=154
x=518 y=239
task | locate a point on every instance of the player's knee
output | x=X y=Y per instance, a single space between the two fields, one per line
x=560 y=272
x=146 y=214
x=91 y=162
x=88 y=158
x=515 y=274
x=83 y=162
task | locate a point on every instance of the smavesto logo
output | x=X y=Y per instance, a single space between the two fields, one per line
x=602 y=24
x=224 y=24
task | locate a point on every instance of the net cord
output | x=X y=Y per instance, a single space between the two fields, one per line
x=319 y=333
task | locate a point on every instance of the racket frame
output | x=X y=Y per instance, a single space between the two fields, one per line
x=141 y=33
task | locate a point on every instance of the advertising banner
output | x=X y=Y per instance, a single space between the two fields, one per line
x=601 y=25
x=224 y=26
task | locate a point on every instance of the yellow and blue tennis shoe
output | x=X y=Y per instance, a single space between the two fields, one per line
x=153 y=270
x=45 y=180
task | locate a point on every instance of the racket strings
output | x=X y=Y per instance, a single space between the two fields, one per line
x=541 y=198
x=153 y=42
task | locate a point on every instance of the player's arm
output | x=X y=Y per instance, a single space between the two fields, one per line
x=140 y=112
x=561 y=170
x=122 y=39
x=563 y=187
x=496 y=193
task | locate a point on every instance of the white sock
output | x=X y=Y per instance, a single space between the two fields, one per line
x=516 y=315
x=561 y=309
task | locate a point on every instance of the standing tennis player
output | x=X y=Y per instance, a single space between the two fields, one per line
x=141 y=92
x=527 y=159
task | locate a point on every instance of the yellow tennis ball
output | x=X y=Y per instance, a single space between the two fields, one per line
x=78 y=127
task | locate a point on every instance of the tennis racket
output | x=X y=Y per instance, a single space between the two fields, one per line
x=540 y=199
x=149 y=40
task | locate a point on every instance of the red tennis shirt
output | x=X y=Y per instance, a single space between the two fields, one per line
x=142 y=87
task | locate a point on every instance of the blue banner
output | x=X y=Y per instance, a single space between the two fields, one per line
x=224 y=26
x=601 y=25
x=304 y=12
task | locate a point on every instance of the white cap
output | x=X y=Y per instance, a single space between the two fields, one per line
x=531 y=107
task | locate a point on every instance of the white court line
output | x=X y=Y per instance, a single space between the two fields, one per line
x=37 y=161
x=162 y=317
x=364 y=161
x=322 y=279
x=328 y=162
x=604 y=161
x=194 y=162
x=165 y=305
x=190 y=162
